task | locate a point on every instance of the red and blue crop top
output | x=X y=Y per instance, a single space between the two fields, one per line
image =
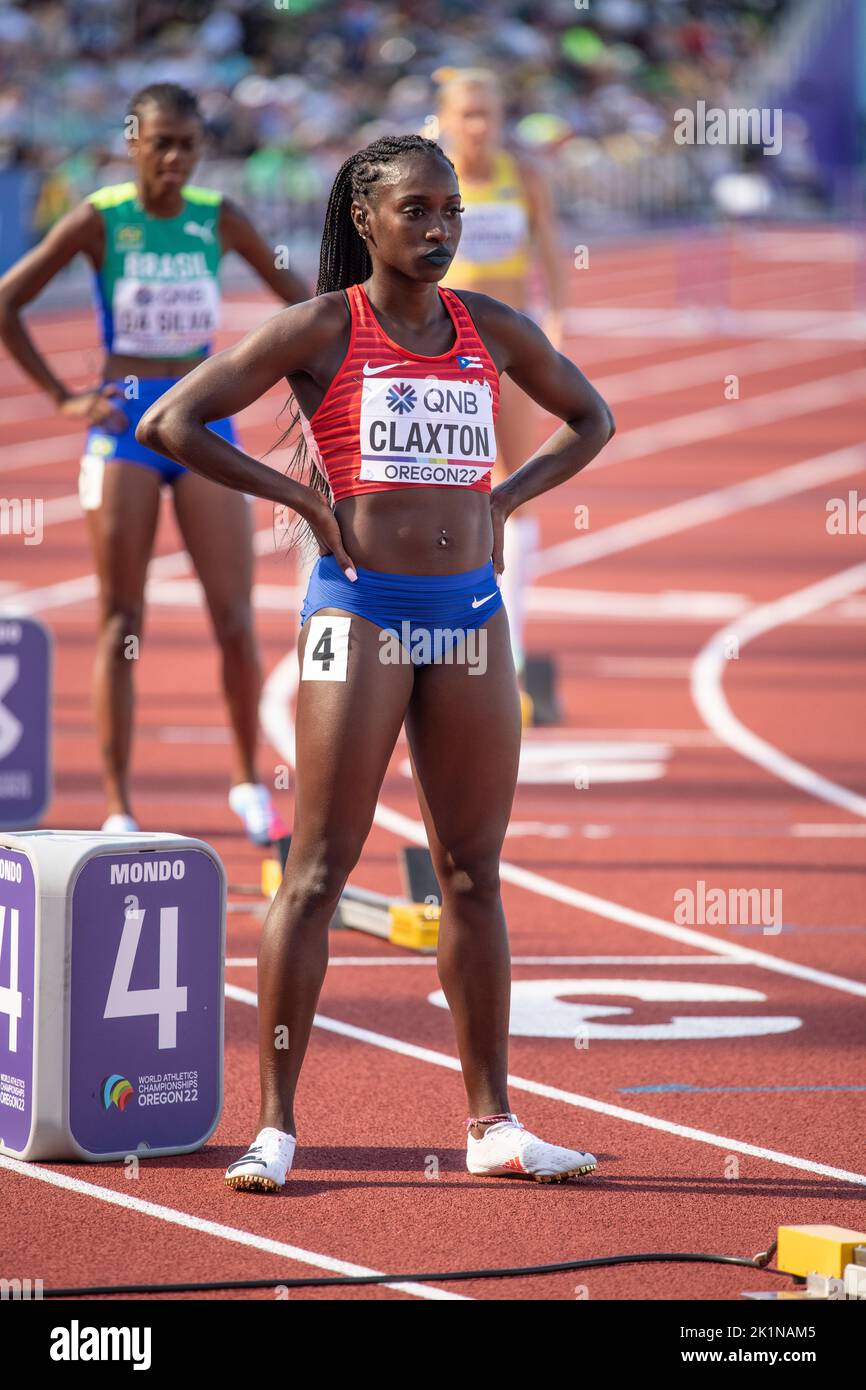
x=393 y=418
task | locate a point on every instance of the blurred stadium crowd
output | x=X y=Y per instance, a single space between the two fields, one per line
x=290 y=87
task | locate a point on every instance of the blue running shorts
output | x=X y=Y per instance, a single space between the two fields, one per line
x=103 y=444
x=427 y=613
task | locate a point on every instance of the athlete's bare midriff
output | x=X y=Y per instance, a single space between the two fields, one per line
x=401 y=531
x=117 y=365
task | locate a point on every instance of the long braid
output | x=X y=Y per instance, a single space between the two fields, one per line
x=344 y=260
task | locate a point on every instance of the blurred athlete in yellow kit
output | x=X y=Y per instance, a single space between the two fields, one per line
x=508 y=223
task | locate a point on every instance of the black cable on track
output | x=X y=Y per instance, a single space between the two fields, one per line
x=443 y=1276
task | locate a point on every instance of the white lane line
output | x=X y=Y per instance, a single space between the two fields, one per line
x=249 y=962
x=678 y=738
x=188 y=593
x=835 y=325
x=276 y=721
x=33 y=406
x=669 y=605
x=829 y=831
x=666 y=605
x=580 y=1102
x=201 y=733
x=59 y=509
x=198 y=1224
x=36 y=453
x=642 y=667
x=707 y=693
x=72 y=360
x=733 y=417
x=29 y=453
x=86 y=586
x=640 y=382
x=670 y=433
x=707 y=506
x=542 y=601
x=69 y=591
x=624 y=535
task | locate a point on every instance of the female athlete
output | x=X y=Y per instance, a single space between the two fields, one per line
x=508 y=225
x=397 y=383
x=155 y=245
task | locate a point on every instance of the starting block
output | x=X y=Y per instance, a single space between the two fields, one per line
x=411 y=921
x=829 y=1260
x=539 y=678
x=112 y=951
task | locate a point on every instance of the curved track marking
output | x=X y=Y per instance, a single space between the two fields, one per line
x=707 y=693
x=277 y=723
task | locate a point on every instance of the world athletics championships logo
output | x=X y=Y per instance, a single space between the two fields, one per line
x=401 y=397
x=115 y=1090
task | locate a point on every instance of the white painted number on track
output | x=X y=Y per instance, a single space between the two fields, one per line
x=326 y=654
x=543 y=1009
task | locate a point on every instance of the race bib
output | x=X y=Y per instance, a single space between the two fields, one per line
x=423 y=430
x=492 y=232
x=90 y=477
x=166 y=318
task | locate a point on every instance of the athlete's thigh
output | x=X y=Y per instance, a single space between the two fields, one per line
x=122 y=530
x=350 y=708
x=217 y=529
x=463 y=731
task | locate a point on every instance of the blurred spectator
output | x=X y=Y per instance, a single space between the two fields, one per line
x=291 y=90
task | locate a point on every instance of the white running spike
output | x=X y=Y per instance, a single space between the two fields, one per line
x=265 y=1164
x=507 y=1149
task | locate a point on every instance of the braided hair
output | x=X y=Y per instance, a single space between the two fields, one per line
x=344 y=260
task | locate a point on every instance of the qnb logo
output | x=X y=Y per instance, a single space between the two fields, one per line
x=116 y=1090
x=77 y=1343
x=402 y=398
x=148 y=871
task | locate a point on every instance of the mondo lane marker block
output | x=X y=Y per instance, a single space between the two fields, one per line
x=112 y=952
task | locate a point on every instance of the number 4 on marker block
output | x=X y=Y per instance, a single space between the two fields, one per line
x=11 y=998
x=169 y=998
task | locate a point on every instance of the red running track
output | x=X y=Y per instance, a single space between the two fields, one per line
x=747 y=1123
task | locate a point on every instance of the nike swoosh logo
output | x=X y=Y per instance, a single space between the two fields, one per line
x=376 y=371
x=477 y=602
